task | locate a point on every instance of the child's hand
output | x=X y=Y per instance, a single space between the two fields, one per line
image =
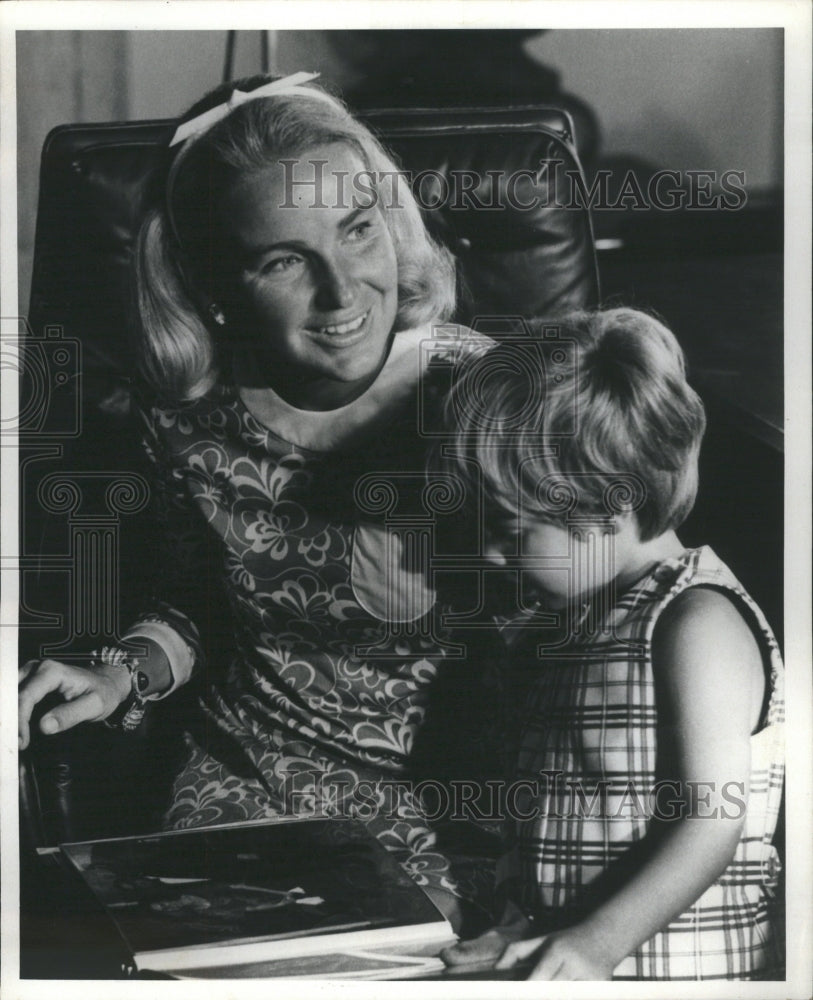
x=481 y=951
x=564 y=955
x=488 y=947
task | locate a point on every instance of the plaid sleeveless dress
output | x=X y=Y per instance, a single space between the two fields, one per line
x=590 y=740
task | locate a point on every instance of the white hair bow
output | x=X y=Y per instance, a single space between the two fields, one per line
x=287 y=85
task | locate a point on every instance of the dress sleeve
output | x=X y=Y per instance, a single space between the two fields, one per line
x=183 y=613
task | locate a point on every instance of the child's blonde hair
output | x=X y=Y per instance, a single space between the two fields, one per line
x=601 y=402
x=178 y=259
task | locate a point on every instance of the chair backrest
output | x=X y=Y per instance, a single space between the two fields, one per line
x=492 y=182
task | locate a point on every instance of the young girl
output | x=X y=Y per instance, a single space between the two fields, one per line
x=650 y=751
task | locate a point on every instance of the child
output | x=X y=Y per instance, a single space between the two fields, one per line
x=651 y=741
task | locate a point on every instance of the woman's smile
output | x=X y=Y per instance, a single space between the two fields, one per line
x=340 y=333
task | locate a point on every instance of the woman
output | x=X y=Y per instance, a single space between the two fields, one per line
x=286 y=285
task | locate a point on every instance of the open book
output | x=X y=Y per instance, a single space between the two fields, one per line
x=319 y=898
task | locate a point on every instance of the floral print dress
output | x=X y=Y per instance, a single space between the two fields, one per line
x=314 y=630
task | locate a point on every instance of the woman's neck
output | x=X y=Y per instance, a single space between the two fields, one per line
x=301 y=390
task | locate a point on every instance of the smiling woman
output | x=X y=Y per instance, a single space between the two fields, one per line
x=316 y=281
x=281 y=322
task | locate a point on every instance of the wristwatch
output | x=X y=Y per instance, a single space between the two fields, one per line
x=129 y=715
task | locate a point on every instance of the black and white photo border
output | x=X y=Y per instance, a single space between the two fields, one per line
x=792 y=16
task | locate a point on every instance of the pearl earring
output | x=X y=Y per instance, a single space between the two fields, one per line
x=217 y=314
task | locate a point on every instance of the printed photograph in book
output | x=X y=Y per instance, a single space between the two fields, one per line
x=237 y=894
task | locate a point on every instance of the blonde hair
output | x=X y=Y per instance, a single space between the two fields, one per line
x=177 y=264
x=590 y=414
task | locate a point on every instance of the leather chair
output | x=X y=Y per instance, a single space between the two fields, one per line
x=81 y=469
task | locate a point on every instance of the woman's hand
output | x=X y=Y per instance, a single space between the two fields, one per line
x=572 y=954
x=90 y=694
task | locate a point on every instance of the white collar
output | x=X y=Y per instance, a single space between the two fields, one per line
x=326 y=430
